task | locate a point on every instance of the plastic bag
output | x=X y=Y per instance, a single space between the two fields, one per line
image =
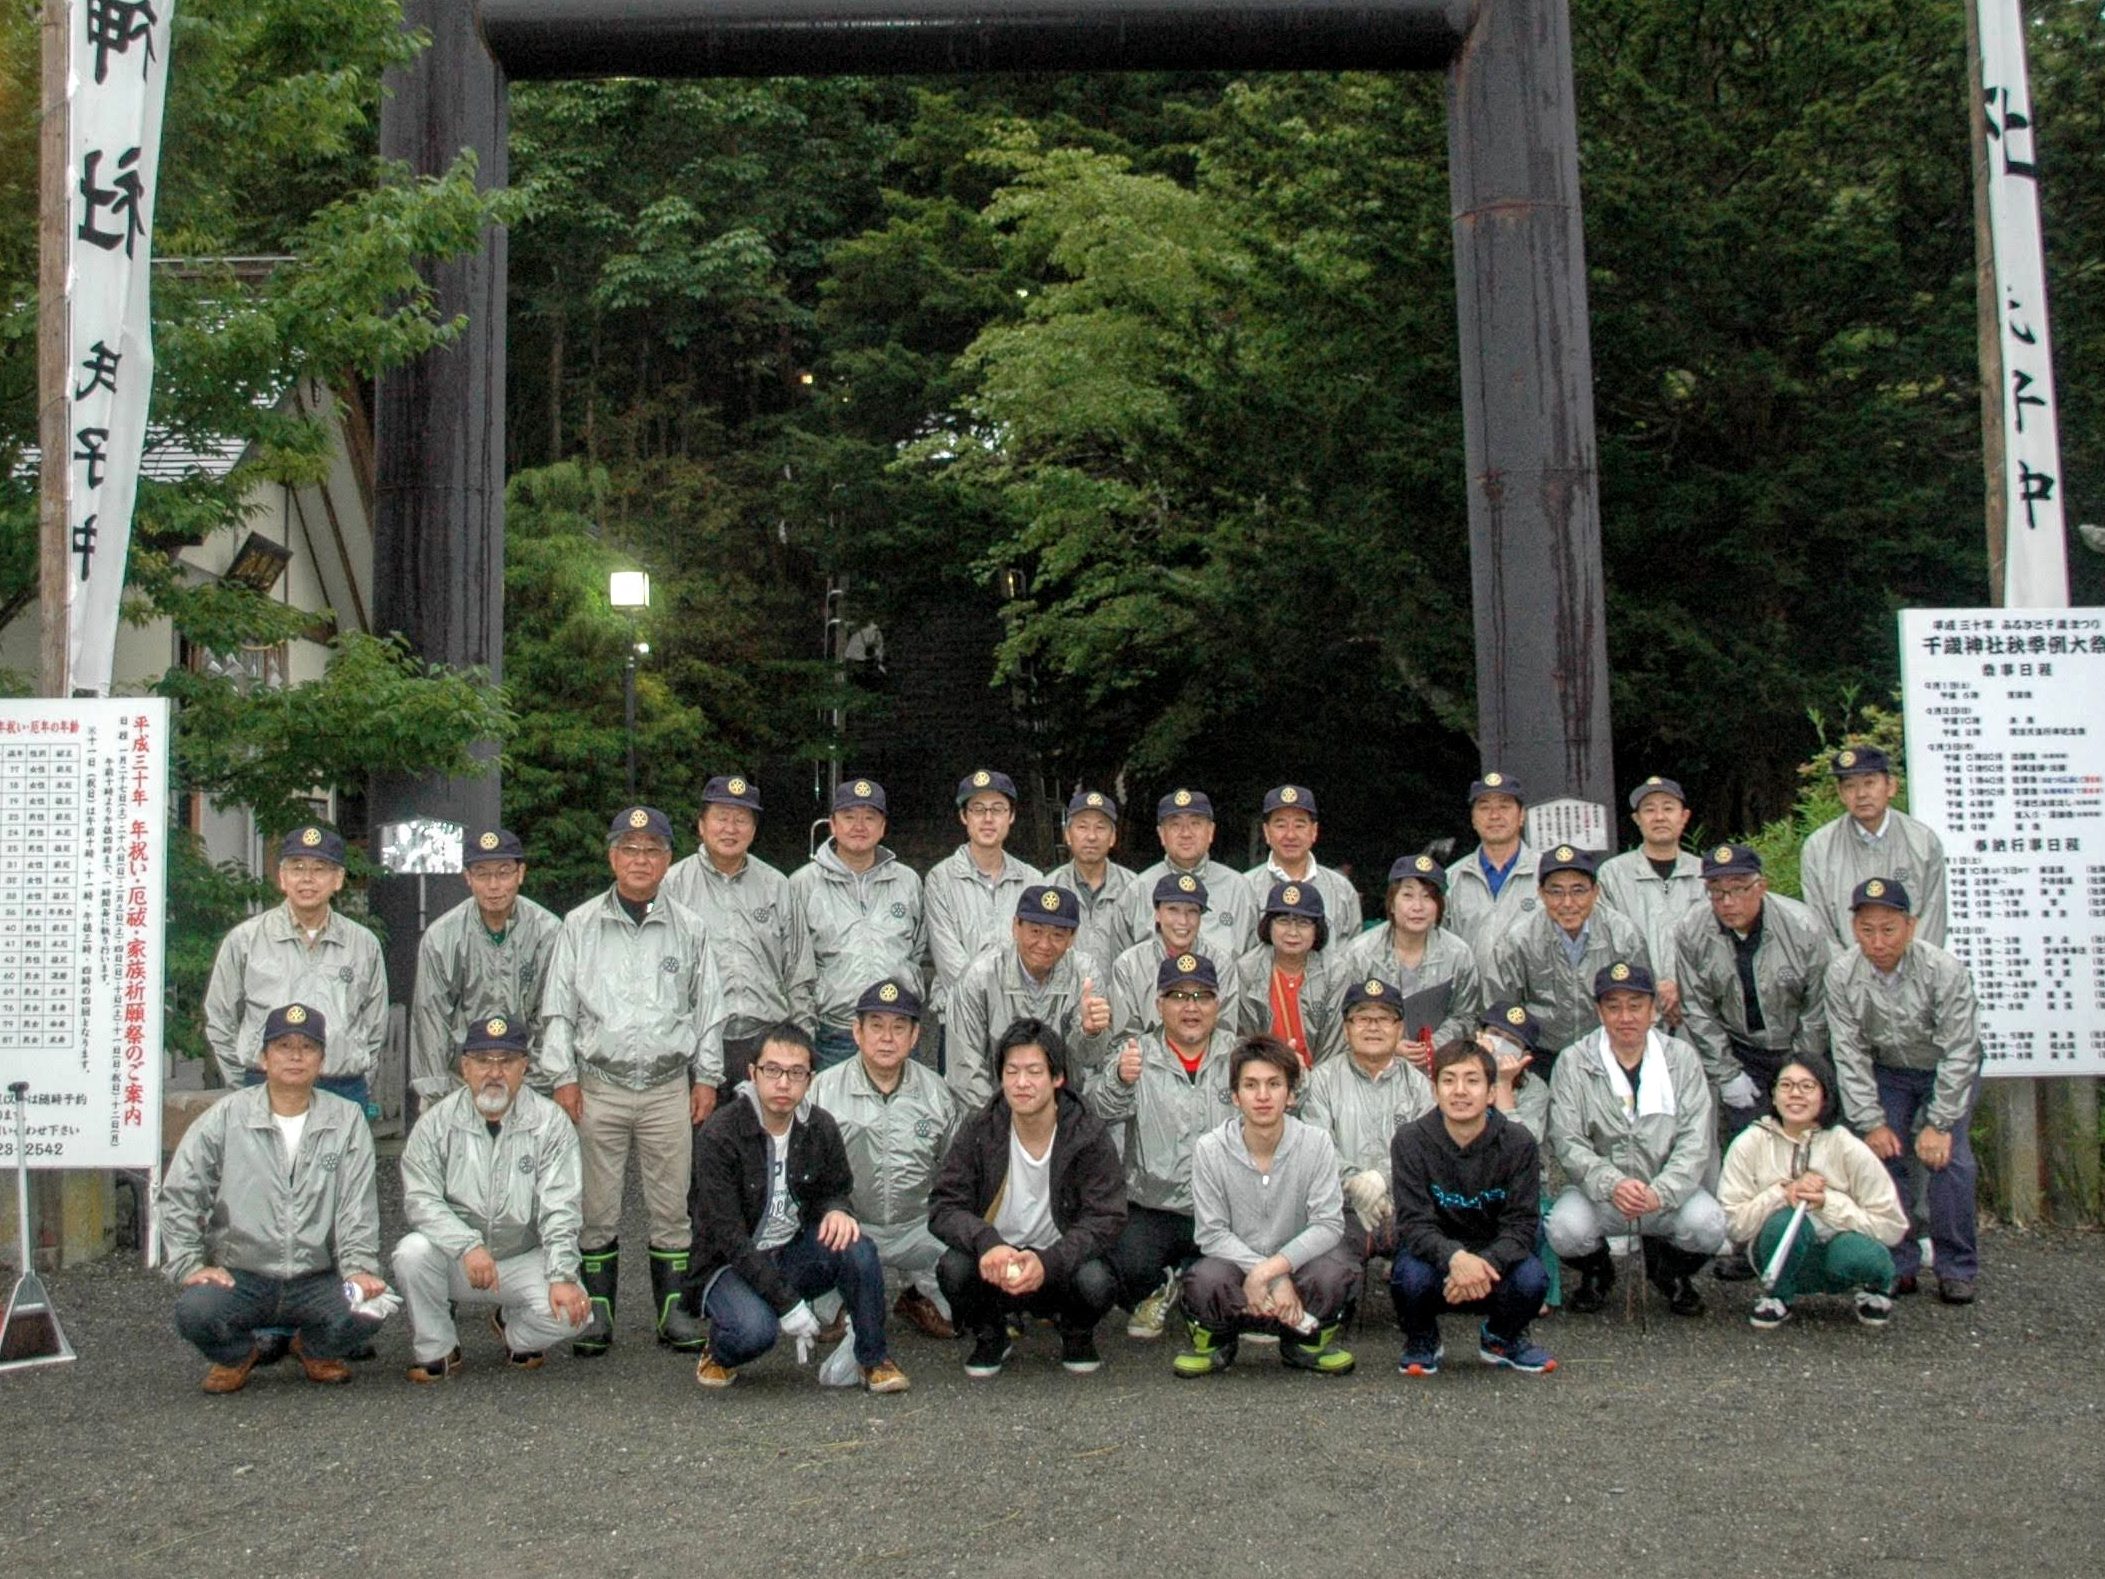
x=839 y=1369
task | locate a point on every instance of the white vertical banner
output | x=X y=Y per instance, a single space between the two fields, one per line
x=2035 y=565
x=116 y=88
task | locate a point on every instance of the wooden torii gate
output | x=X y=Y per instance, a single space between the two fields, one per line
x=1520 y=286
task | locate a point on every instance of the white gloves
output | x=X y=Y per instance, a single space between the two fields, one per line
x=1740 y=1091
x=377 y=1309
x=1369 y=1199
x=801 y=1323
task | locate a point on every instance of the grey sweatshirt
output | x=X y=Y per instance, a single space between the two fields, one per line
x=1296 y=1211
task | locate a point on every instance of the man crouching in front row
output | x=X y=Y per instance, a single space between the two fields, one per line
x=772 y=1228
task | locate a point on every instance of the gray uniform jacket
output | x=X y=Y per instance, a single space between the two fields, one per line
x=1321 y=993
x=1838 y=856
x=1229 y=925
x=865 y=927
x=1103 y=927
x=230 y=1200
x=1133 y=992
x=1600 y=1143
x=1296 y=1210
x=1790 y=975
x=1474 y=916
x=1162 y=1115
x=510 y=1193
x=1527 y=966
x=1341 y=911
x=896 y=1143
x=462 y=977
x=1921 y=1017
x=762 y=947
x=637 y=1005
x=967 y=914
x=994 y=993
x=1656 y=904
x=1361 y=1113
x=1372 y=955
x=265 y=963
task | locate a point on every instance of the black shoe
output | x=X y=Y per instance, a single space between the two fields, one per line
x=678 y=1328
x=1955 y=1290
x=990 y=1351
x=1078 y=1352
x=1681 y=1296
x=1670 y=1271
x=599 y=1272
x=1732 y=1267
x=1596 y=1277
x=1902 y=1287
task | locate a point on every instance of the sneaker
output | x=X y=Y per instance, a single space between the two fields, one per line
x=1515 y=1354
x=707 y=1373
x=1322 y=1355
x=230 y=1378
x=1078 y=1353
x=1873 y=1310
x=1210 y=1351
x=884 y=1377
x=1421 y=1357
x=1151 y=1315
x=919 y=1309
x=328 y=1373
x=437 y=1370
x=990 y=1351
x=1768 y=1312
x=1955 y=1290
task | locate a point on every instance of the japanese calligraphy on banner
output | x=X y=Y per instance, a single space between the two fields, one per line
x=83 y=821
x=2035 y=566
x=2006 y=760
x=116 y=89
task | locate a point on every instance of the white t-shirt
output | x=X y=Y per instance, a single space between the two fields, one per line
x=779 y=1225
x=1025 y=1218
x=291 y=1126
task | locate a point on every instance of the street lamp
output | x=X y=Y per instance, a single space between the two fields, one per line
x=631 y=590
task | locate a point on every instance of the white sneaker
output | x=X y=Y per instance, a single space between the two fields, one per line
x=1873 y=1310
x=1151 y=1315
x=1769 y=1311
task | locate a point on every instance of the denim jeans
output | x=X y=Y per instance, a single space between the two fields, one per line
x=223 y=1322
x=743 y=1326
x=1905 y=1095
x=1417 y=1289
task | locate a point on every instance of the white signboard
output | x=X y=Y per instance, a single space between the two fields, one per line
x=2006 y=760
x=1583 y=823
x=83 y=880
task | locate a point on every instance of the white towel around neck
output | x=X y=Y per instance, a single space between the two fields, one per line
x=1655 y=1082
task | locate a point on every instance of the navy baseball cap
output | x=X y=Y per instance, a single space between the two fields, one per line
x=860 y=792
x=1180 y=888
x=888 y=997
x=1514 y=1020
x=647 y=820
x=1055 y=907
x=296 y=1019
x=1423 y=867
x=1623 y=976
x=1731 y=860
x=1290 y=797
x=985 y=779
x=311 y=841
x=1566 y=858
x=1375 y=991
x=1495 y=784
x=1853 y=761
x=1178 y=969
x=1092 y=800
x=1184 y=802
x=1294 y=899
x=1655 y=785
x=732 y=789
x=1880 y=891
x=492 y=844
x=496 y=1034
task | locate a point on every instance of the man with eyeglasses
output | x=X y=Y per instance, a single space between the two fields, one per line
x=301 y=952
x=971 y=893
x=773 y=1225
x=1184 y=824
x=485 y=958
x=632 y=1027
x=863 y=909
x=1657 y=883
x=490 y=1186
x=1166 y=1089
x=1038 y=974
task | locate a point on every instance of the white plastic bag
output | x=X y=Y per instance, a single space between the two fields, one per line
x=839 y=1369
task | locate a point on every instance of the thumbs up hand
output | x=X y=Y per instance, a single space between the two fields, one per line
x=1129 y=1061
x=1096 y=1010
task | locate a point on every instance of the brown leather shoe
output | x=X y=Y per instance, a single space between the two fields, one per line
x=229 y=1378
x=330 y=1373
x=707 y=1373
x=834 y=1330
x=884 y=1377
x=919 y=1309
x=430 y=1373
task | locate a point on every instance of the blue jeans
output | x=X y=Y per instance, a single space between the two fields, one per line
x=1905 y=1095
x=743 y=1326
x=223 y=1322
x=1416 y=1288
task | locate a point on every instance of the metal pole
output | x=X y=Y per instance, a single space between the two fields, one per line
x=628 y=710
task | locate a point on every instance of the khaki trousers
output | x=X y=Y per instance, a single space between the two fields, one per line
x=655 y=1124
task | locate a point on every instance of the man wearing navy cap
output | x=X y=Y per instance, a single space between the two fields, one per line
x=971 y=893
x=763 y=949
x=1871 y=839
x=1493 y=885
x=301 y=952
x=1907 y=1052
x=1038 y=974
x=1181 y=902
x=1360 y=1101
x=268 y=1209
x=1184 y=824
x=1632 y=1122
x=487 y=956
x=1657 y=883
x=1290 y=828
x=1090 y=832
x=896 y=1118
x=491 y=1188
x=1166 y=1089
x=863 y=909
x=632 y=1045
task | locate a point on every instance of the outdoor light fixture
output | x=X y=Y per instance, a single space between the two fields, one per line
x=629 y=589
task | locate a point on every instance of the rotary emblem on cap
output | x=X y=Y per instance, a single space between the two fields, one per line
x=1494 y=779
x=488 y=841
x=1187 y=962
x=1874 y=889
x=736 y=786
x=1188 y=884
x=296 y=1015
x=639 y=818
x=1424 y=863
x=1092 y=799
x=888 y=993
x=1618 y=973
x=1374 y=988
x=1050 y=900
x=1516 y=1015
x=1289 y=795
x=982 y=779
x=1181 y=798
x=1655 y=779
x=1722 y=854
x=1847 y=759
x=862 y=786
x=496 y=1025
x=1291 y=895
x=310 y=837
x=1563 y=853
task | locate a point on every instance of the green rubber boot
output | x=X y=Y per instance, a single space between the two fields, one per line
x=1210 y=1351
x=1320 y=1354
x=599 y=1271
x=677 y=1329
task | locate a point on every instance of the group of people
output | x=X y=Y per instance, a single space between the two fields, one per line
x=1187 y=1091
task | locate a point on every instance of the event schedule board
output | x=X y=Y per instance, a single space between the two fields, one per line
x=2006 y=761
x=83 y=882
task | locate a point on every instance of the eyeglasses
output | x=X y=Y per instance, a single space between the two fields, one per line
x=782 y=1074
x=1798 y=1088
x=642 y=852
x=1190 y=997
x=1733 y=891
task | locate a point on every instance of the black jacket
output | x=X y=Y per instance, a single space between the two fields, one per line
x=1087 y=1182
x=727 y=1194
x=1485 y=1198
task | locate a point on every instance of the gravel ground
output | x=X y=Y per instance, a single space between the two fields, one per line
x=1698 y=1445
